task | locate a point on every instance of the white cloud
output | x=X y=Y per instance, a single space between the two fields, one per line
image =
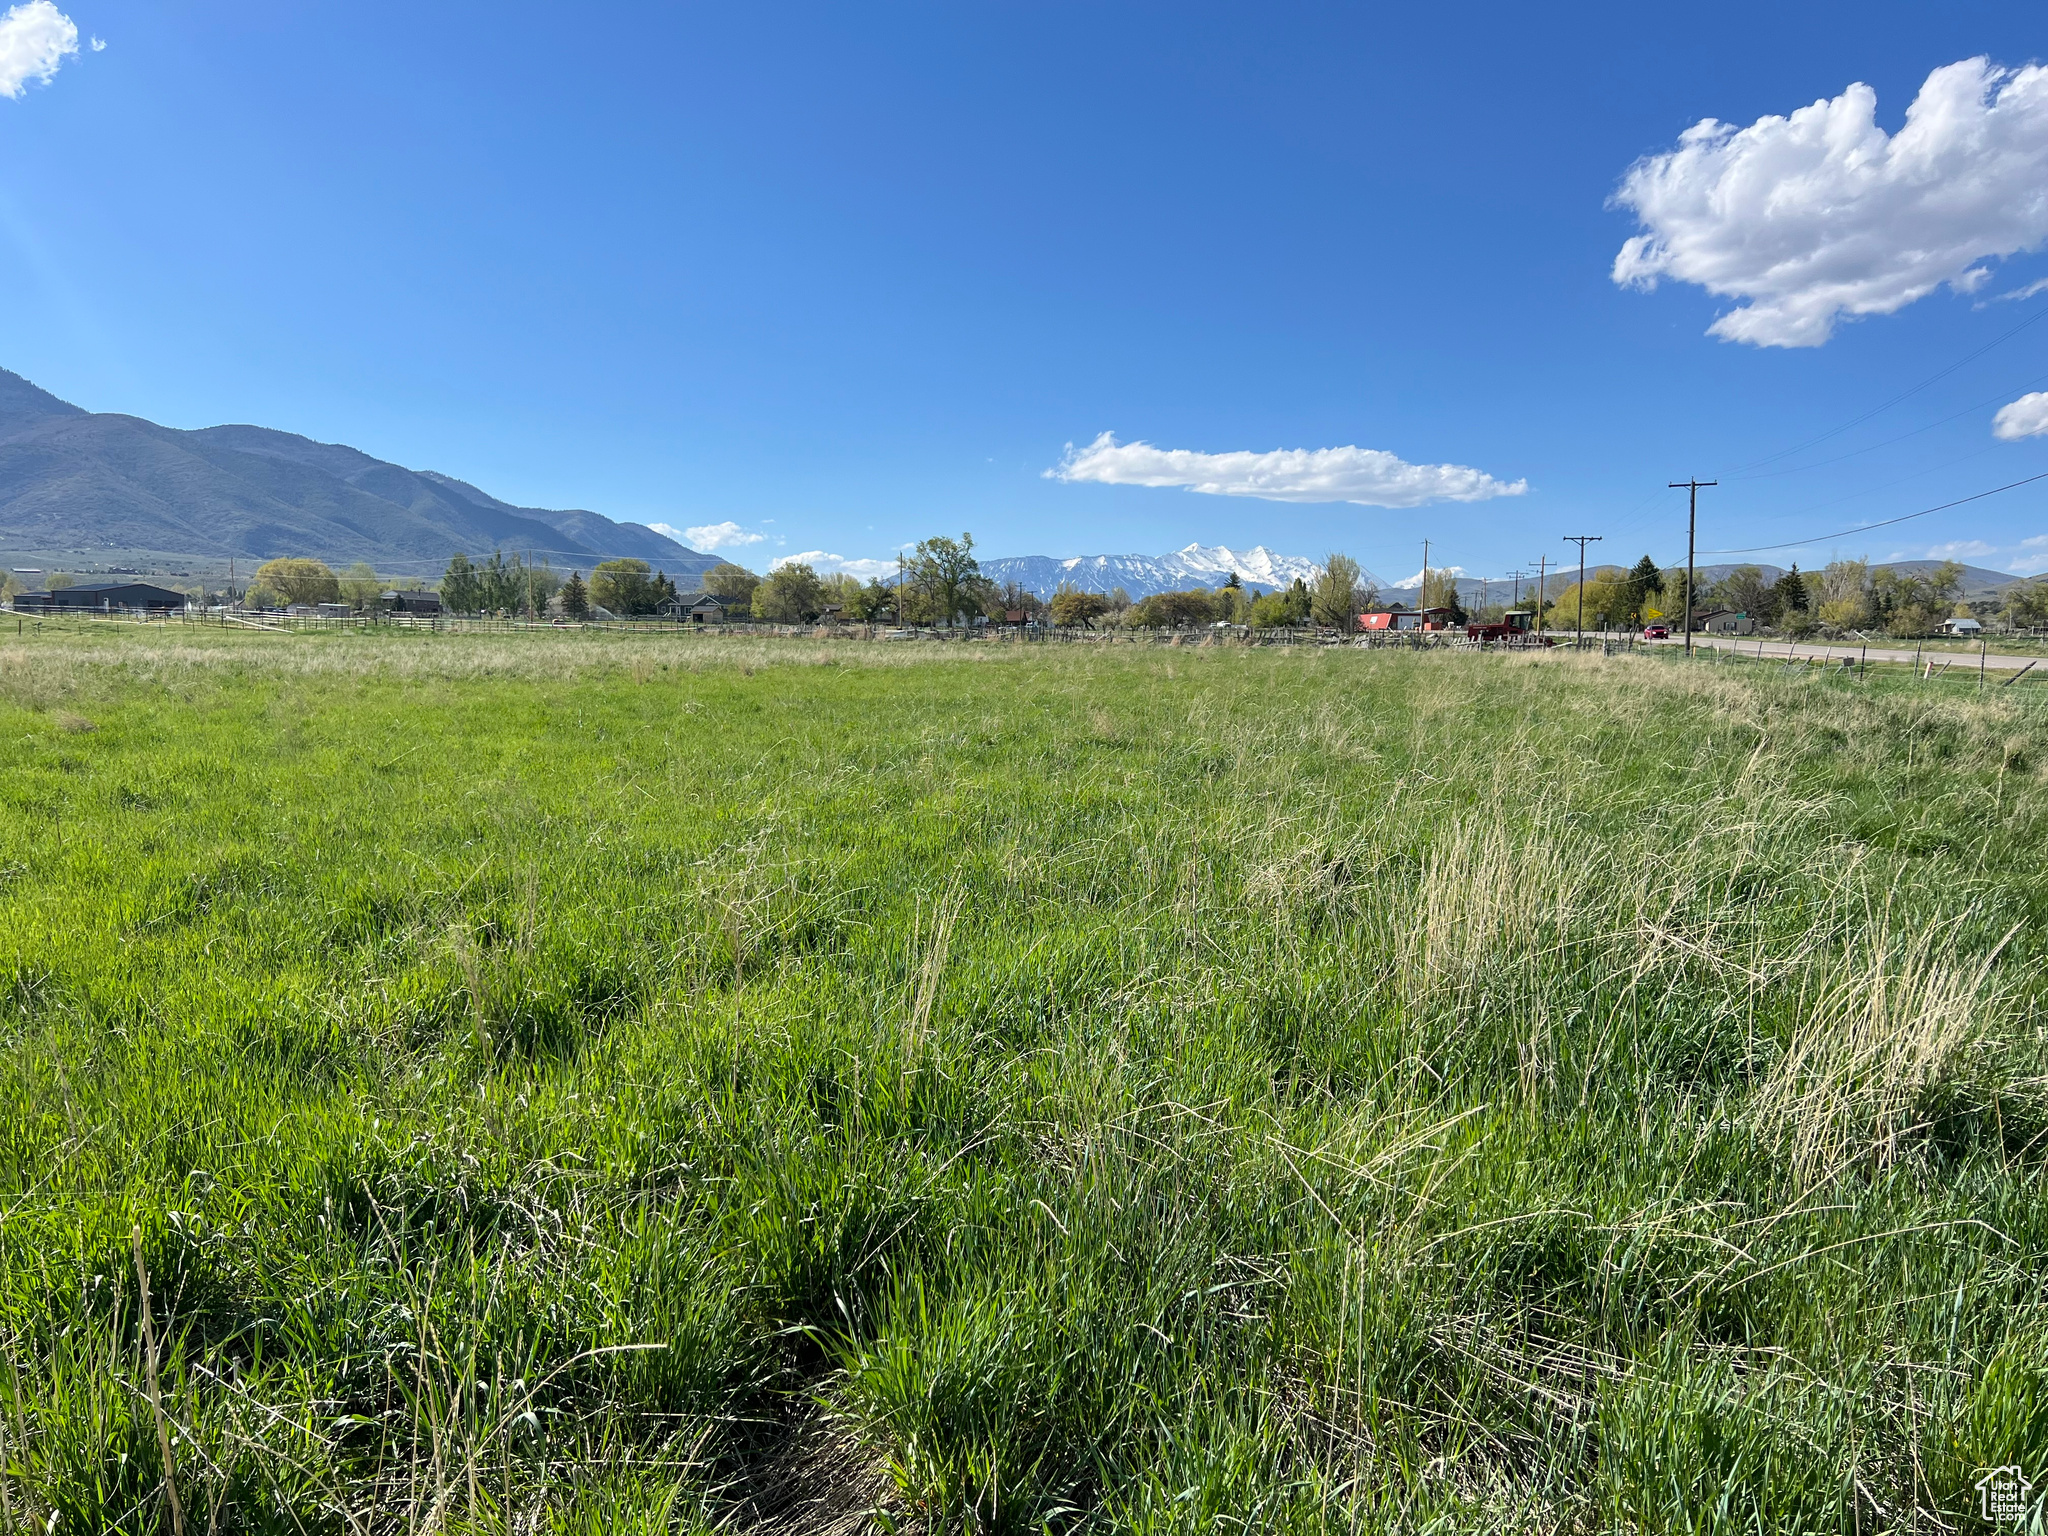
x=835 y=565
x=1367 y=476
x=2033 y=558
x=727 y=535
x=34 y=39
x=1961 y=549
x=2025 y=417
x=1822 y=214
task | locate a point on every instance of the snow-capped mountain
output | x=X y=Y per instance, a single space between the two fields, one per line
x=1198 y=565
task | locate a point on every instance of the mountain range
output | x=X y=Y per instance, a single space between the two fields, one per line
x=1261 y=569
x=89 y=491
x=1140 y=576
x=84 y=491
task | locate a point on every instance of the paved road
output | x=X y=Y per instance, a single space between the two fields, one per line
x=1785 y=650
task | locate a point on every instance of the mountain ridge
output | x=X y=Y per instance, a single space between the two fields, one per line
x=83 y=487
x=1142 y=575
x=1260 y=568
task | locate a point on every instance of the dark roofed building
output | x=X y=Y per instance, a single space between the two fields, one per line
x=1722 y=621
x=707 y=609
x=100 y=597
x=412 y=602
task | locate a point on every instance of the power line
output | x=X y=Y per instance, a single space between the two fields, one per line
x=1692 y=521
x=1582 y=540
x=1800 y=469
x=1903 y=395
x=1759 y=549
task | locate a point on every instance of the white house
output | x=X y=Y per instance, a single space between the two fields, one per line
x=1961 y=627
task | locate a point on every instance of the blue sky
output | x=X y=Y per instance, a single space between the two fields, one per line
x=843 y=276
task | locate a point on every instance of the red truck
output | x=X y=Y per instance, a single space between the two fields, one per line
x=1516 y=627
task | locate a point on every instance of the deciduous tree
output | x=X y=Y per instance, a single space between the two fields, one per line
x=1745 y=591
x=1278 y=610
x=1075 y=609
x=624 y=586
x=1844 y=594
x=300 y=581
x=2026 y=603
x=1333 y=601
x=792 y=594
x=1440 y=590
x=947 y=577
x=877 y=600
x=731 y=583
x=1176 y=610
x=360 y=587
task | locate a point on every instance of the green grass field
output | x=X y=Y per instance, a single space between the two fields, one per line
x=589 y=1083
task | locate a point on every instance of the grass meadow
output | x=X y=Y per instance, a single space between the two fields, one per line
x=577 y=1083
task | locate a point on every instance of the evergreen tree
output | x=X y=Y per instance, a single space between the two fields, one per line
x=1643 y=583
x=1792 y=593
x=575 y=599
x=461 y=592
x=501 y=583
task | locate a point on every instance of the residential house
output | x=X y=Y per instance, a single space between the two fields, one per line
x=1722 y=621
x=703 y=608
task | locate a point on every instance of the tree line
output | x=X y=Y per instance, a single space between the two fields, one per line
x=940 y=582
x=1845 y=596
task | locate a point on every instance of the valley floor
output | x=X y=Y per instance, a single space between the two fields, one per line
x=601 y=1083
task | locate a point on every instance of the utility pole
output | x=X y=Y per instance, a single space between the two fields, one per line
x=1518 y=575
x=1582 y=540
x=1542 y=587
x=1692 y=519
x=1422 y=592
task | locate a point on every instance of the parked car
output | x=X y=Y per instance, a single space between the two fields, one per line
x=1656 y=631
